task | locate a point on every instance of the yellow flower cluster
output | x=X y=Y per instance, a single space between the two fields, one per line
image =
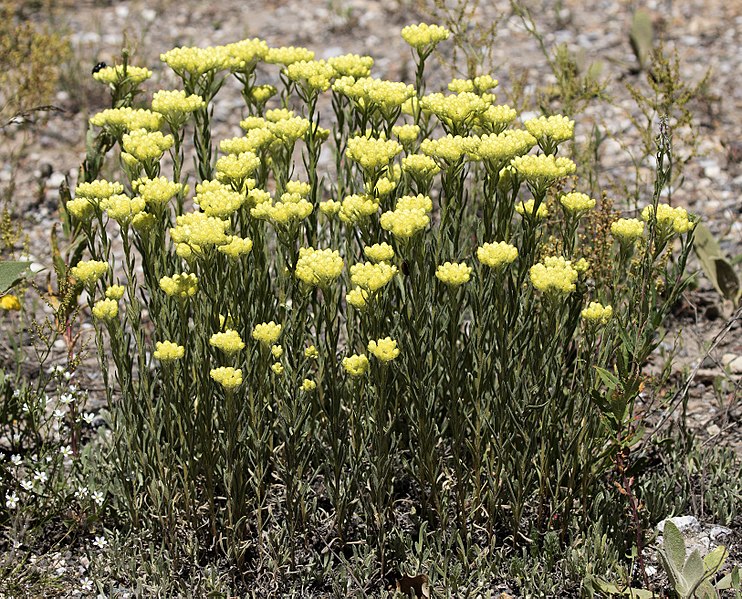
x=106 y=309
x=496 y=118
x=356 y=365
x=10 y=302
x=552 y=129
x=180 y=286
x=236 y=167
x=196 y=61
x=88 y=272
x=372 y=153
x=198 y=229
x=81 y=208
x=669 y=219
x=597 y=313
x=308 y=385
x=175 y=105
x=544 y=168
x=289 y=130
x=301 y=188
x=287 y=55
x=266 y=333
x=384 y=349
x=424 y=37
x=122 y=208
x=456 y=109
x=379 y=252
x=98 y=189
x=115 y=292
x=351 y=65
x=576 y=202
x=420 y=166
x=627 y=230
x=236 y=247
x=146 y=145
x=447 y=150
x=117 y=74
x=526 y=207
x=253 y=141
x=403 y=224
x=453 y=274
x=418 y=202
x=318 y=267
x=156 y=191
x=554 y=275
x=311 y=352
x=330 y=207
x=167 y=351
x=127 y=119
x=357 y=298
x=497 y=254
x=290 y=209
x=276 y=351
x=260 y=94
x=273 y=115
x=499 y=149
x=228 y=341
x=371 y=276
x=228 y=377
x=369 y=93
x=277 y=368
x=356 y=208
x=244 y=55
x=406 y=134
x=311 y=75
x=479 y=85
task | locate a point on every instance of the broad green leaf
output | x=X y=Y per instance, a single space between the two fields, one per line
x=641 y=36
x=610 y=379
x=717 y=268
x=674 y=545
x=693 y=571
x=11 y=273
x=705 y=590
x=714 y=561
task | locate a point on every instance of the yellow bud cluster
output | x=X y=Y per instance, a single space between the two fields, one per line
x=418 y=202
x=496 y=118
x=496 y=255
x=453 y=274
x=144 y=222
x=175 y=105
x=669 y=219
x=98 y=189
x=357 y=298
x=330 y=207
x=627 y=230
x=499 y=149
x=384 y=349
x=194 y=62
x=287 y=55
x=318 y=267
x=236 y=167
x=228 y=341
x=351 y=65
x=597 y=313
x=301 y=188
x=88 y=272
x=356 y=365
x=554 y=275
x=81 y=208
x=311 y=75
x=454 y=109
x=372 y=153
x=544 y=168
x=115 y=292
x=236 y=247
x=122 y=208
x=403 y=224
x=228 y=377
x=526 y=207
x=290 y=209
x=146 y=145
x=277 y=368
x=245 y=54
x=257 y=196
x=379 y=252
x=424 y=37
x=266 y=333
x=253 y=141
x=308 y=385
x=370 y=276
x=181 y=285
x=260 y=94
x=106 y=309
x=311 y=352
x=10 y=302
x=199 y=229
x=167 y=351
x=127 y=119
x=552 y=129
x=576 y=202
x=369 y=93
x=448 y=150
x=218 y=200
x=356 y=208
x=406 y=134
x=420 y=166
x=276 y=351
x=289 y=130
x=115 y=75
x=156 y=191
x=273 y=116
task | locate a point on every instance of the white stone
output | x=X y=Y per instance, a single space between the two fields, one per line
x=684 y=523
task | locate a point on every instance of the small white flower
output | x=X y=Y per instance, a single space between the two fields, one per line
x=73 y=388
x=86 y=585
x=66 y=398
x=88 y=417
x=66 y=451
x=27 y=485
x=25 y=408
x=16 y=459
x=67 y=375
x=48 y=459
x=16 y=393
x=82 y=492
x=59 y=413
x=100 y=542
x=11 y=501
x=98 y=497
x=41 y=476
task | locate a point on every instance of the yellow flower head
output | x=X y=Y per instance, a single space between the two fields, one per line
x=384 y=349
x=554 y=275
x=277 y=368
x=453 y=274
x=146 y=145
x=181 y=285
x=236 y=248
x=356 y=365
x=669 y=219
x=81 y=208
x=236 y=167
x=356 y=208
x=122 y=208
x=115 y=292
x=118 y=74
x=597 y=313
x=447 y=150
x=228 y=377
x=156 y=191
x=10 y=303
x=424 y=37
x=351 y=65
x=308 y=385
x=301 y=188
x=371 y=153
x=318 y=267
x=200 y=229
x=627 y=230
x=418 y=202
x=276 y=351
x=379 y=252
x=228 y=341
x=496 y=255
x=370 y=276
x=267 y=333
x=99 y=189
x=403 y=224
x=167 y=351
x=330 y=207
x=253 y=141
x=311 y=352
x=175 y=105
x=523 y=208
x=105 y=309
x=551 y=130
x=88 y=272
x=543 y=169
x=420 y=166
x=311 y=75
x=454 y=109
x=287 y=55
x=127 y=119
x=357 y=297
x=195 y=62
x=245 y=54
x=577 y=203
x=499 y=149
x=406 y=134
x=495 y=119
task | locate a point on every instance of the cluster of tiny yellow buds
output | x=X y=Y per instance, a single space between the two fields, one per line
x=258 y=122
x=371 y=276
x=167 y=351
x=115 y=292
x=669 y=219
x=267 y=333
x=98 y=189
x=627 y=230
x=257 y=196
x=277 y=368
x=554 y=275
x=356 y=208
x=576 y=202
x=119 y=74
x=384 y=349
x=453 y=274
x=597 y=313
x=418 y=202
x=330 y=207
x=245 y=54
x=498 y=149
x=384 y=186
x=308 y=385
x=236 y=167
x=582 y=265
x=181 y=286
x=357 y=298
x=312 y=75
x=496 y=255
x=424 y=37
x=356 y=365
x=146 y=145
x=289 y=130
x=318 y=267
x=552 y=129
x=106 y=309
x=283 y=213
x=371 y=153
x=301 y=188
x=403 y=224
x=496 y=118
x=311 y=353
x=287 y=55
x=194 y=62
x=81 y=208
x=127 y=119
x=175 y=105
x=157 y=191
x=276 y=351
x=236 y=247
x=144 y=222
x=262 y=93
x=228 y=377
x=368 y=92
x=458 y=86
x=454 y=109
x=420 y=166
x=526 y=207
x=379 y=252
x=10 y=302
x=228 y=341
x=275 y=115
x=447 y=150
x=253 y=141
x=351 y=65
x=543 y=168
x=122 y=208
x=406 y=134
x=88 y=272
x=200 y=229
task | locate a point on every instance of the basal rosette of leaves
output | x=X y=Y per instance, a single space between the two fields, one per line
x=261 y=364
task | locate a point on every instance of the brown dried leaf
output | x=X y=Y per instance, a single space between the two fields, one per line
x=414 y=586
